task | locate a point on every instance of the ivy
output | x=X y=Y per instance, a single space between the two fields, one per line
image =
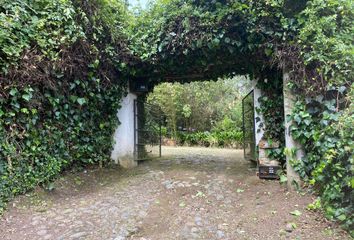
x=60 y=88
x=196 y=40
x=64 y=65
x=24 y=24
x=327 y=136
x=271 y=108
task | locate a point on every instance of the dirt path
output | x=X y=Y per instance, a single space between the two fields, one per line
x=193 y=193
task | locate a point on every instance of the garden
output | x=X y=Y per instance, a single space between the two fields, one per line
x=205 y=114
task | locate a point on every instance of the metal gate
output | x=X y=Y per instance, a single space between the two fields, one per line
x=147 y=128
x=248 y=126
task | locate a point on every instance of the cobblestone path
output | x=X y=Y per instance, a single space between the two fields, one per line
x=192 y=193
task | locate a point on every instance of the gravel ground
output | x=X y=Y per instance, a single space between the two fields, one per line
x=191 y=193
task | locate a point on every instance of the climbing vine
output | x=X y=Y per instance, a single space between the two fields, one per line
x=64 y=64
x=61 y=81
x=327 y=136
x=312 y=40
x=271 y=108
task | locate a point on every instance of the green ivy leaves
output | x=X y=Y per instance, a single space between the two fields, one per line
x=13 y=92
x=68 y=118
x=327 y=134
x=81 y=101
x=48 y=25
x=39 y=143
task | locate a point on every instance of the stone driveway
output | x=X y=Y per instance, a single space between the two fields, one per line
x=191 y=193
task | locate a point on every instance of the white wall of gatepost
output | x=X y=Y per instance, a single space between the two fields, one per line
x=123 y=149
x=290 y=143
x=257 y=94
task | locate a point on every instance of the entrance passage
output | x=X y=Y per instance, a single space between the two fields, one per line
x=147 y=128
x=248 y=127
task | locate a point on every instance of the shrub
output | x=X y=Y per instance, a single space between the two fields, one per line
x=328 y=138
x=59 y=90
x=211 y=139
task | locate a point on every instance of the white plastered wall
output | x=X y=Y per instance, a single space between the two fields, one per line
x=257 y=93
x=290 y=142
x=124 y=134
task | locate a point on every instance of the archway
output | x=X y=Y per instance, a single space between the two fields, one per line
x=268 y=141
x=184 y=41
x=54 y=114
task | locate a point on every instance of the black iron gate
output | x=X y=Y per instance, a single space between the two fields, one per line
x=248 y=126
x=147 y=128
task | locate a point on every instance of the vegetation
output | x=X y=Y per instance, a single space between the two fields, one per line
x=59 y=90
x=312 y=40
x=63 y=65
x=202 y=113
x=328 y=138
x=271 y=108
x=211 y=139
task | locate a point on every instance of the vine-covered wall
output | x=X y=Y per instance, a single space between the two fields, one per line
x=325 y=129
x=271 y=108
x=60 y=87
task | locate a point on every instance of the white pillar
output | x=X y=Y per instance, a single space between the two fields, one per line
x=290 y=144
x=123 y=150
x=259 y=131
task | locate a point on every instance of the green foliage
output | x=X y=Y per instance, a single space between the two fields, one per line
x=208 y=112
x=315 y=205
x=271 y=108
x=195 y=40
x=283 y=179
x=202 y=106
x=296 y=213
x=58 y=97
x=37 y=144
x=211 y=139
x=326 y=132
x=325 y=37
x=45 y=24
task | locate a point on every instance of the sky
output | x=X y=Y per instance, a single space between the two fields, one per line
x=136 y=3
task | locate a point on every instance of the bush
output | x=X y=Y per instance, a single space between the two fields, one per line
x=59 y=91
x=328 y=137
x=35 y=145
x=211 y=139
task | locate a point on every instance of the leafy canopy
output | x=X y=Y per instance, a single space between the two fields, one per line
x=194 y=39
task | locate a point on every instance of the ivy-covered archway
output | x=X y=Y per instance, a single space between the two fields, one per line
x=187 y=41
x=306 y=45
x=65 y=66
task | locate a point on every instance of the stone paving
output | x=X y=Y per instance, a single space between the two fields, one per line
x=192 y=193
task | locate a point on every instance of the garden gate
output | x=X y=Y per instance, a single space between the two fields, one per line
x=147 y=129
